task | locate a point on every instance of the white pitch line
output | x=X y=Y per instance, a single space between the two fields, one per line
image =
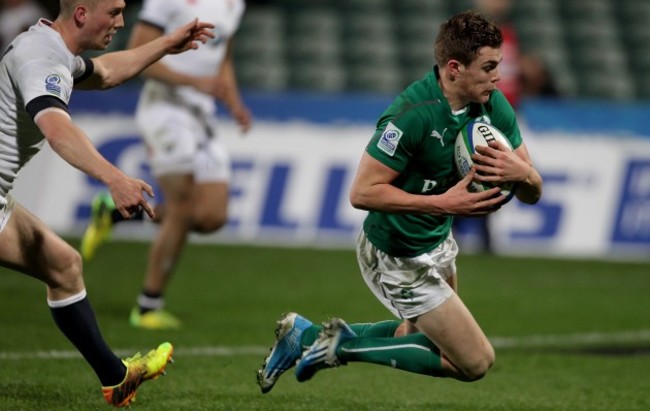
x=534 y=341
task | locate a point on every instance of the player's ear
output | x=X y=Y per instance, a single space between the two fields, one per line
x=80 y=13
x=454 y=67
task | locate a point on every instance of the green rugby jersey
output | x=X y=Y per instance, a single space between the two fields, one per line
x=415 y=136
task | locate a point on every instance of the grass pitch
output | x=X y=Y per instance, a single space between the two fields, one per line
x=569 y=334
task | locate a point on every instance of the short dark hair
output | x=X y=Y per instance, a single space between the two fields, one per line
x=463 y=35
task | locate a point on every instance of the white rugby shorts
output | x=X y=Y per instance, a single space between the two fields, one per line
x=180 y=141
x=412 y=286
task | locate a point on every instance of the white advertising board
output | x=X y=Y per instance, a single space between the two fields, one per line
x=290 y=185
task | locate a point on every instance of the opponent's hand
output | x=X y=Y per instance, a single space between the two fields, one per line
x=127 y=194
x=188 y=36
x=243 y=117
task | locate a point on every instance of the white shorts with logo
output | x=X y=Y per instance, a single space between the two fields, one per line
x=408 y=287
x=182 y=142
x=6 y=207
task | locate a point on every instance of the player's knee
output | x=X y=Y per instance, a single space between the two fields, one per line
x=66 y=272
x=476 y=369
x=209 y=222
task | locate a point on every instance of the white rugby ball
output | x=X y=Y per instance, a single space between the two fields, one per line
x=478 y=133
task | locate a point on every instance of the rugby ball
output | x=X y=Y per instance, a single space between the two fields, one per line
x=478 y=133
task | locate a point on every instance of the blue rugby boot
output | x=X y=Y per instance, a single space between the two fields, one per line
x=286 y=350
x=322 y=353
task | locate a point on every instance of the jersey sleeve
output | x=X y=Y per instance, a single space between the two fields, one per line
x=158 y=13
x=50 y=84
x=396 y=139
x=83 y=68
x=504 y=118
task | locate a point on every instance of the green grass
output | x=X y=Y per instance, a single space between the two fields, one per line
x=231 y=296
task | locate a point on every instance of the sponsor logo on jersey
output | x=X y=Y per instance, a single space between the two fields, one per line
x=390 y=139
x=436 y=134
x=52 y=84
x=429 y=185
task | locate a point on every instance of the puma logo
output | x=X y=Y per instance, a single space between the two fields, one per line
x=439 y=136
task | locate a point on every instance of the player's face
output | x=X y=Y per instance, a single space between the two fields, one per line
x=478 y=79
x=102 y=23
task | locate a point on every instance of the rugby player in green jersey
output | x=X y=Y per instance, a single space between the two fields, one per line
x=406 y=251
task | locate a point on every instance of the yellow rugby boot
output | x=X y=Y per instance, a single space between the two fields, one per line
x=100 y=227
x=139 y=369
x=154 y=320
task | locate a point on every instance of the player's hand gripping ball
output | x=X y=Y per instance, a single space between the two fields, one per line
x=478 y=133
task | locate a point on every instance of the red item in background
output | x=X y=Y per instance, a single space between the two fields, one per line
x=510 y=83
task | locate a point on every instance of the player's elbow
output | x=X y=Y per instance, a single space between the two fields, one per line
x=357 y=200
x=108 y=83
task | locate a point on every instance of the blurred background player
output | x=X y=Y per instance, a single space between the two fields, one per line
x=537 y=80
x=40 y=68
x=406 y=251
x=176 y=117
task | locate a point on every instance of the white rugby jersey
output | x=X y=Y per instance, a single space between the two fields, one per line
x=168 y=15
x=37 y=72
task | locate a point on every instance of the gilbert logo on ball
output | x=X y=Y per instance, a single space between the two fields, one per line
x=478 y=133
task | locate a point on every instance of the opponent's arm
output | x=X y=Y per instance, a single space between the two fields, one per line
x=72 y=144
x=144 y=33
x=230 y=95
x=112 y=69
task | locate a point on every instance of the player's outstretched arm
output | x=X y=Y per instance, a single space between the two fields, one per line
x=143 y=33
x=72 y=145
x=112 y=69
